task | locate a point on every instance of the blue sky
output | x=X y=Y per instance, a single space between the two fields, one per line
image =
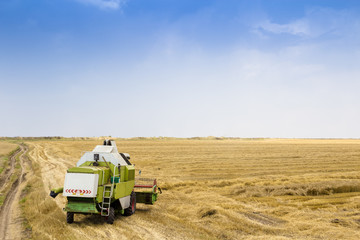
x=128 y=68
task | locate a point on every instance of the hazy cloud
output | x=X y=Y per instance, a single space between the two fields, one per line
x=104 y=4
x=316 y=22
x=299 y=27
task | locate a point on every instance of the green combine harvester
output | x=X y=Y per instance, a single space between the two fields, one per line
x=103 y=182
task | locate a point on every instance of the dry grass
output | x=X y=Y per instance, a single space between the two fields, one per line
x=6 y=147
x=214 y=189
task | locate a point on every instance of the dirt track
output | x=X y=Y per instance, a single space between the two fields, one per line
x=10 y=216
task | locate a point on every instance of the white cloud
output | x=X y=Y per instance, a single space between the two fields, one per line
x=315 y=23
x=105 y=4
x=299 y=27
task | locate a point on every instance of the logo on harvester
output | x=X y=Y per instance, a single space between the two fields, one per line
x=78 y=191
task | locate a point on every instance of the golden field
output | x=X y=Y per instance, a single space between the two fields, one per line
x=212 y=189
x=5 y=149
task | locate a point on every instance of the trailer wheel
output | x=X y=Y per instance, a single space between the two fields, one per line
x=111 y=218
x=69 y=217
x=131 y=209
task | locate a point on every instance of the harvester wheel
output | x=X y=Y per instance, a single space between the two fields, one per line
x=131 y=209
x=69 y=217
x=111 y=218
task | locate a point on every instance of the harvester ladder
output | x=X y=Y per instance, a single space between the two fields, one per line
x=107 y=195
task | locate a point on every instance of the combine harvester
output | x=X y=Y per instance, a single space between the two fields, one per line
x=103 y=183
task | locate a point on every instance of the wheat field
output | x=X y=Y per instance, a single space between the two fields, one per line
x=212 y=189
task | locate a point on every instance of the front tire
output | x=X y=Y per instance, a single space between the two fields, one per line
x=111 y=218
x=132 y=208
x=69 y=217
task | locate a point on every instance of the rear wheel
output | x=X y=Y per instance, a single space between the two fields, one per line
x=69 y=217
x=131 y=209
x=111 y=218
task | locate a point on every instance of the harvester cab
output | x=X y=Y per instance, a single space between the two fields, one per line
x=103 y=183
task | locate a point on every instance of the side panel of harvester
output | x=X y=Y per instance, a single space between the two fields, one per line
x=81 y=185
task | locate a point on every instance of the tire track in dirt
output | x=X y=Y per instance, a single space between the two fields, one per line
x=6 y=213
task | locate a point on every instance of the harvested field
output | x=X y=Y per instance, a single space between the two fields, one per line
x=212 y=189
